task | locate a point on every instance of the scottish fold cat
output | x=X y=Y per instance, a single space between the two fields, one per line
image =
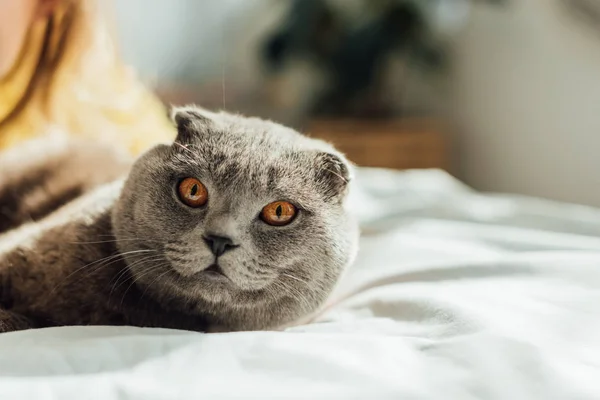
x=239 y=224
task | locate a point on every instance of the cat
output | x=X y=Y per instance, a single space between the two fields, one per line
x=239 y=224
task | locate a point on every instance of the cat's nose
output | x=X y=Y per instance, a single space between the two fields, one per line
x=219 y=244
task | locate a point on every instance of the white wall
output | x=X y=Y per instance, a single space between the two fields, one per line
x=176 y=39
x=526 y=101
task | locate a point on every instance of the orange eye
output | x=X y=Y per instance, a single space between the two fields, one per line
x=192 y=192
x=278 y=213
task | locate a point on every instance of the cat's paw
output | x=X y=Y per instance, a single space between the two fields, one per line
x=10 y=322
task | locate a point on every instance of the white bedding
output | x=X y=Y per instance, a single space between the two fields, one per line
x=455 y=295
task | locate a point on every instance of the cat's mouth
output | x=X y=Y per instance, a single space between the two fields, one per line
x=215 y=271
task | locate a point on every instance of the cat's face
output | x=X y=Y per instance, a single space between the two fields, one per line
x=240 y=218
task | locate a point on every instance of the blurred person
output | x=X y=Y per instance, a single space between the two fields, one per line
x=60 y=69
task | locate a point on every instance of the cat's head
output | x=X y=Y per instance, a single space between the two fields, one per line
x=240 y=218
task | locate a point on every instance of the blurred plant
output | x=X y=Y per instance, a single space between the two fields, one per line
x=352 y=51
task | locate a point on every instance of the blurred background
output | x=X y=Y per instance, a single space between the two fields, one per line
x=503 y=94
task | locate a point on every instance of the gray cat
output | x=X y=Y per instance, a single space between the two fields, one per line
x=237 y=225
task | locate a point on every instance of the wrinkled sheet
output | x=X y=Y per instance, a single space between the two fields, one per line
x=454 y=295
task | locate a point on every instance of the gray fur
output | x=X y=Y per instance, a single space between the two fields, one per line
x=275 y=275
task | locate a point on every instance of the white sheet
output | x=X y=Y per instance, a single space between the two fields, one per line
x=455 y=295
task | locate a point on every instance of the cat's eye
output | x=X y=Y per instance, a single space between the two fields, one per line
x=278 y=213
x=192 y=192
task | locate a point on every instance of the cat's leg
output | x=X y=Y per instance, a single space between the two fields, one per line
x=39 y=177
x=10 y=322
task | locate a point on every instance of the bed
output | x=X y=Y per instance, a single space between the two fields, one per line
x=454 y=295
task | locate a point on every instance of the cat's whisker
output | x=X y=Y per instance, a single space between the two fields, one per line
x=286 y=288
x=115 y=241
x=192 y=154
x=299 y=295
x=146 y=273
x=112 y=258
x=66 y=278
x=126 y=270
x=116 y=279
x=133 y=279
x=183 y=147
x=294 y=278
x=335 y=173
x=155 y=279
x=195 y=155
x=121 y=237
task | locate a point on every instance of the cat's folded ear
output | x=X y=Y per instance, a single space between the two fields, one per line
x=333 y=173
x=191 y=122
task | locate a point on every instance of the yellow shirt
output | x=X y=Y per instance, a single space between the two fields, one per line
x=78 y=85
